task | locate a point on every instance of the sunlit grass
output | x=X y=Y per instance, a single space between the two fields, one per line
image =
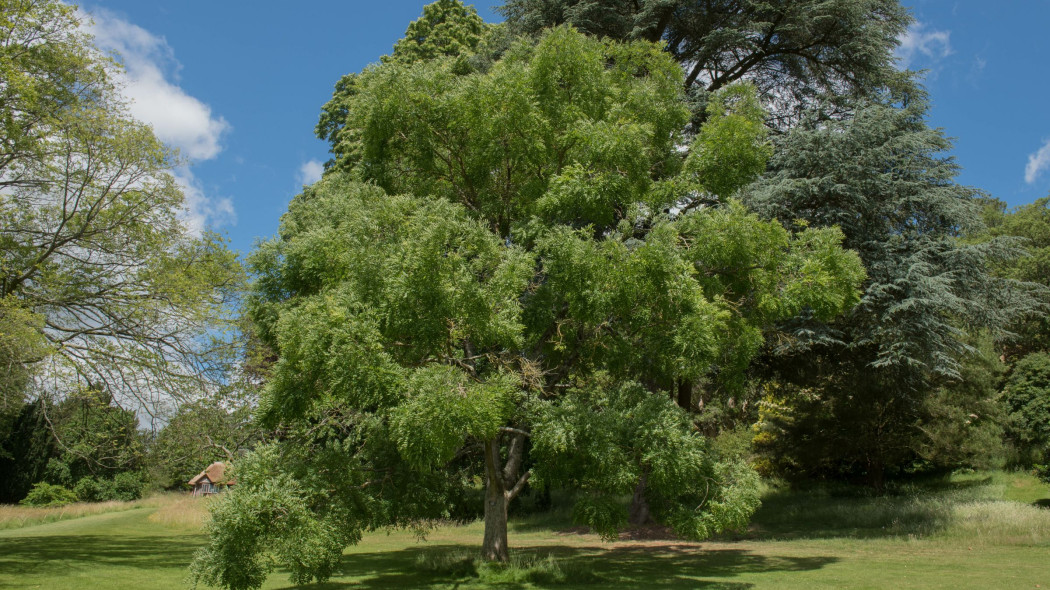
x=13 y=516
x=966 y=532
x=183 y=512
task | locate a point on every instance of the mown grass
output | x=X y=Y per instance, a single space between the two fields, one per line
x=967 y=532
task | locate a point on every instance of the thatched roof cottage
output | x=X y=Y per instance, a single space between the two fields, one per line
x=211 y=481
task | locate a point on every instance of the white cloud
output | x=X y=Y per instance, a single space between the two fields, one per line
x=310 y=172
x=917 y=41
x=199 y=211
x=150 y=84
x=1038 y=162
x=178 y=119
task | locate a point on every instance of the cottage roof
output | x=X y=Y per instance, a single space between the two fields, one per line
x=215 y=474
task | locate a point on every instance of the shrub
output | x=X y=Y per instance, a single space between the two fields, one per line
x=127 y=486
x=1027 y=398
x=48 y=495
x=89 y=489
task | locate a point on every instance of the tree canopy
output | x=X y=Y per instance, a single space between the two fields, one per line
x=101 y=283
x=514 y=262
x=797 y=53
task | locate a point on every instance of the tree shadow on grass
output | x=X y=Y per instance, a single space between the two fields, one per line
x=635 y=566
x=21 y=556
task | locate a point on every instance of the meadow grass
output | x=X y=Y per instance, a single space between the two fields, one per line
x=967 y=532
x=183 y=512
x=13 y=516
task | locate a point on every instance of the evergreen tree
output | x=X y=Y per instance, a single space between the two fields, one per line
x=882 y=176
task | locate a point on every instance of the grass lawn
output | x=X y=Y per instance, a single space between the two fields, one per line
x=979 y=531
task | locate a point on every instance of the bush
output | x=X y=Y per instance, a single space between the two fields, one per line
x=127 y=486
x=89 y=489
x=48 y=495
x=1027 y=398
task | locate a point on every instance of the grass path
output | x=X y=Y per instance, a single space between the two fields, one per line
x=802 y=541
x=115 y=550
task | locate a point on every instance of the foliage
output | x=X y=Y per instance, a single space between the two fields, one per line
x=962 y=421
x=867 y=379
x=83 y=436
x=797 y=53
x=124 y=487
x=1031 y=225
x=45 y=494
x=89 y=489
x=93 y=256
x=446 y=29
x=605 y=439
x=199 y=434
x=730 y=149
x=26 y=448
x=94 y=438
x=260 y=524
x=1027 y=398
x=21 y=348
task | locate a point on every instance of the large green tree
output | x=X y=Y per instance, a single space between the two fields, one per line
x=883 y=177
x=513 y=263
x=101 y=283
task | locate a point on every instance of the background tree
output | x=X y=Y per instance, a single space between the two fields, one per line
x=199 y=433
x=94 y=260
x=797 y=53
x=1027 y=399
x=1031 y=225
x=26 y=446
x=496 y=267
x=82 y=437
x=868 y=378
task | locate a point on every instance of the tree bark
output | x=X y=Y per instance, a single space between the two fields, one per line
x=502 y=485
x=638 y=514
x=494 y=547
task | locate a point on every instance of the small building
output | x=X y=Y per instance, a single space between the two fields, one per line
x=211 y=481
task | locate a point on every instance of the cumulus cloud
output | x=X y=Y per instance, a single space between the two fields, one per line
x=920 y=42
x=1038 y=162
x=178 y=119
x=149 y=81
x=200 y=211
x=310 y=172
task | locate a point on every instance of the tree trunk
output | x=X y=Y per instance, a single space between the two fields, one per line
x=494 y=547
x=638 y=514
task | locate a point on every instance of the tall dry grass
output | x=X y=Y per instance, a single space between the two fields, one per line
x=999 y=522
x=982 y=508
x=183 y=512
x=13 y=516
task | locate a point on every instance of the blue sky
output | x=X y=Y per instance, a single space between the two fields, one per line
x=237 y=87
